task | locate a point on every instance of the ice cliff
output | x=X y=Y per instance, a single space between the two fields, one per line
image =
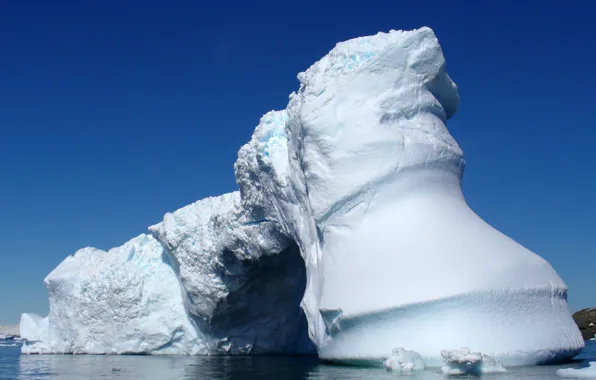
x=350 y=231
x=127 y=300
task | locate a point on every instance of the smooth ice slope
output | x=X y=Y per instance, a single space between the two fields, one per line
x=350 y=199
x=127 y=300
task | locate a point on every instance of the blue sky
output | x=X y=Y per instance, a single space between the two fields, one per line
x=113 y=113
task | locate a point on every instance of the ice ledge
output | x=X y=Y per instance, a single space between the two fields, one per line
x=491 y=322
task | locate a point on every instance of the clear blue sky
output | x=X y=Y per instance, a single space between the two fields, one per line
x=114 y=112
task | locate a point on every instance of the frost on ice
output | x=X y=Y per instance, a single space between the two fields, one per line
x=349 y=228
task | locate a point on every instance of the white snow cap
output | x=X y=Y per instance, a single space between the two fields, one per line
x=351 y=205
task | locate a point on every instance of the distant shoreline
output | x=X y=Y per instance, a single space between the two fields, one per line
x=10 y=330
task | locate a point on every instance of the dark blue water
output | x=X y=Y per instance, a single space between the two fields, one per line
x=13 y=365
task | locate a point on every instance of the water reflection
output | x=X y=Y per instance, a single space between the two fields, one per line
x=70 y=367
x=249 y=368
x=67 y=367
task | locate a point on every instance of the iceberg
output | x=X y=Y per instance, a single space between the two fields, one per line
x=349 y=236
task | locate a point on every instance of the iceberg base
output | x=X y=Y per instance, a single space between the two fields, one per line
x=523 y=327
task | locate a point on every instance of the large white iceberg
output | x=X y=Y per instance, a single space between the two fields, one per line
x=350 y=205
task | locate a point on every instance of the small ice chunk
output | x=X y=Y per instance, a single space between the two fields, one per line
x=462 y=361
x=404 y=361
x=581 y=373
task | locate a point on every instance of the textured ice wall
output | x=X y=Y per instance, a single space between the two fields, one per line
x=211 y=281
x=126 y=300
x=243 y=278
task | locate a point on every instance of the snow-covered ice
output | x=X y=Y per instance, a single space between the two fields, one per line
x=462 y=361
x=350 y=205
x=581 y=373
x=403 y=360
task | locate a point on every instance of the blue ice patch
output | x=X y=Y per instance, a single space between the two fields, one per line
x=278 y=122
x=356 y=60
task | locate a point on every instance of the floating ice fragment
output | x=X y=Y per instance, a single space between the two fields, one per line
x=462 y=362
x=581 y=373
x=404 y=361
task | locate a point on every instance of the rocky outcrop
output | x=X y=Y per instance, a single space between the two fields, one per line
x=586 y=321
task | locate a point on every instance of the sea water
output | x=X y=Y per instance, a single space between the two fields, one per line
x=13 y=365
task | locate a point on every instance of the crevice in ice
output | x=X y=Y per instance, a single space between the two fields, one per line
x=255 y=222
x=177 y=338
x=331 y=320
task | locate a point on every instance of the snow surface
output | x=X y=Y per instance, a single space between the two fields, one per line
x=403 y=360
x=581 y=373
x=349 y=200
x=464 y=362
